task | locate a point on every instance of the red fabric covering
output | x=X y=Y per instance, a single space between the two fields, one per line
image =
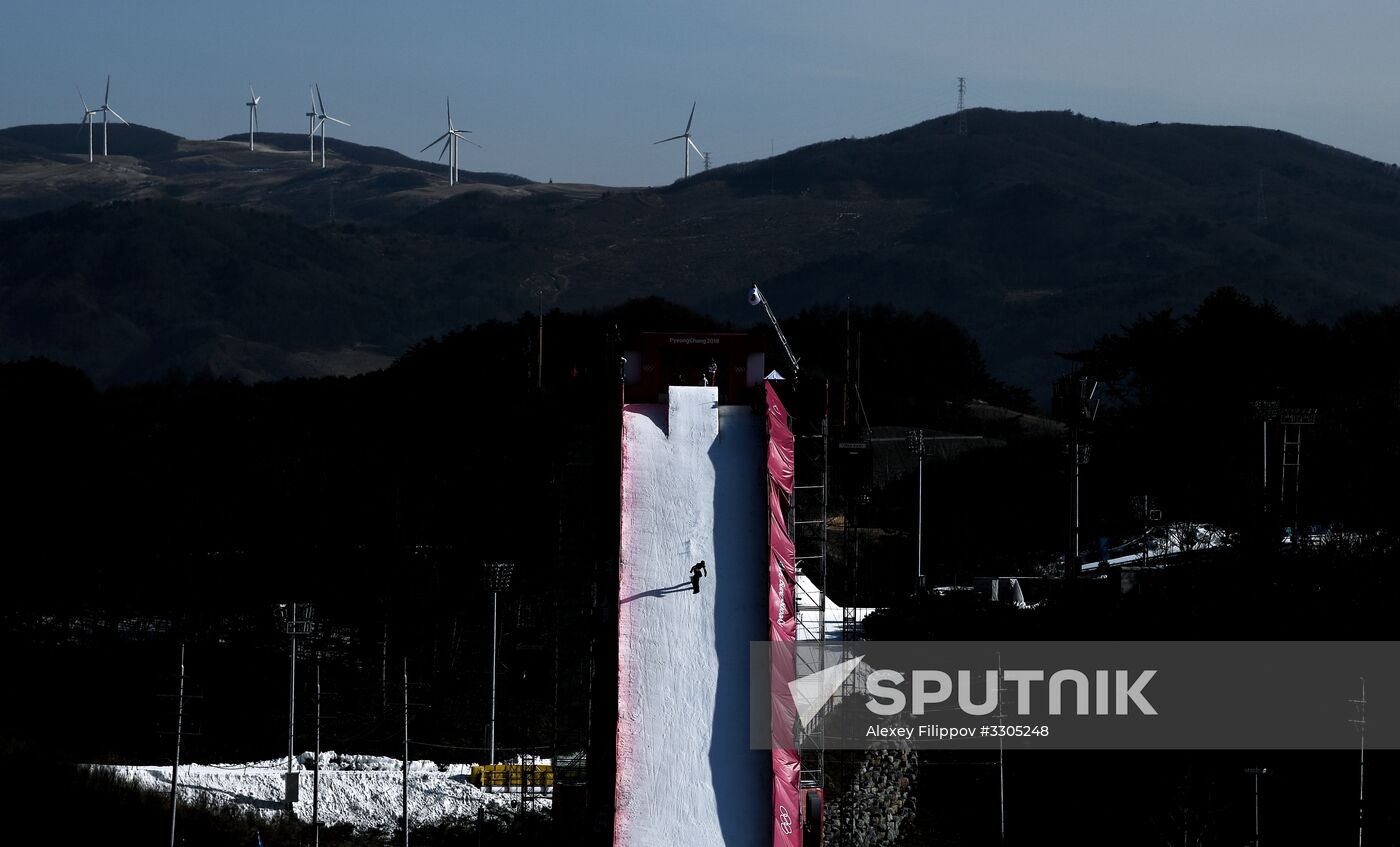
x=782 y=627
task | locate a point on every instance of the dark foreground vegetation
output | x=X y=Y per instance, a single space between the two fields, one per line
x=144 y=516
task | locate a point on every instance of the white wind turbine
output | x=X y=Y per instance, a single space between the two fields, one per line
x=321 y=118
x=87 y=119
x=252 y=114
x=311 y=123
x=105 y=109
x=449 y=139
x=688 y=142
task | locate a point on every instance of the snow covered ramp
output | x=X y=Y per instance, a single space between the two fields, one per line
x=692 y=490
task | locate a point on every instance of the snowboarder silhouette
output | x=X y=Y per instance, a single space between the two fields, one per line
x=697 y=571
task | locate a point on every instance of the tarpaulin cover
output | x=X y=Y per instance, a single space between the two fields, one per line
x=782 y=626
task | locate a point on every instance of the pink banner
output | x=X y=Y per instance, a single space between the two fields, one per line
x=782 y=626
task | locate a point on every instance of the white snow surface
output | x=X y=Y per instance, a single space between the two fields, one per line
x=810 y=615
x=363 y=791
x=692 y=489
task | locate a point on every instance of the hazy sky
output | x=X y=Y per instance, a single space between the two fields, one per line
x=577 y=91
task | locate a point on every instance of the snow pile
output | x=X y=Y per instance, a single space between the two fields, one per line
x=363 y=791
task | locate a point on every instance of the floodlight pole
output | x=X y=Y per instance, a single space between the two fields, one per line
x=497 y=580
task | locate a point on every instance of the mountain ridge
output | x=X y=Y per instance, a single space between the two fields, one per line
x=1036 y=232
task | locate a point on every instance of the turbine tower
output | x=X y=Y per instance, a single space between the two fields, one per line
x=321 y=118
x=88 y=112
x=252 y=114
x=311 y=123
x=450 y=139
x=688 y=142
x=106 y=109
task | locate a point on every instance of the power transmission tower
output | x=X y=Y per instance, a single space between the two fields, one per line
x=962 y=116
x=706 y=157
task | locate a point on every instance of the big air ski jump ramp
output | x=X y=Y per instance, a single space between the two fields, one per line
x=697 y=485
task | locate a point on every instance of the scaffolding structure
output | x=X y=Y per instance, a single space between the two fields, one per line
x=809 y=522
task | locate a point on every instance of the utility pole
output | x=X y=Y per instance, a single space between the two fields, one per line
x=179 y=728
x=1360 y=723
x=405 y=751
x=291 y=788
x=918 y=445
x=962 y=117
x=1001 y=746
x=1074 y=399
x=1290 y=477
x=316 y=774
x=1258 y=772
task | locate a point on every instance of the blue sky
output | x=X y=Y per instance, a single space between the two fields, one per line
x=577 y=91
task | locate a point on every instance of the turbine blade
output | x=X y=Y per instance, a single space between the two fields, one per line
x=434 y=141
x=444 y=148
x=82 y=98
x=114 y=112
x=320 y=104
x=469 y=141
x=664 y=140
x=311 y=94
x=691 y=118
x=107 y=95
x=251 y=93
x=692 y=144
x=255 y=116
x=337 y=120
x=449 y=112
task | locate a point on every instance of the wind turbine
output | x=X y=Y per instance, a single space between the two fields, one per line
x=311 y=123
x=252 y=114
x=87 y=119
x=688 y=143
x=105 y=109
x=321 y=118
x=450 y=139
